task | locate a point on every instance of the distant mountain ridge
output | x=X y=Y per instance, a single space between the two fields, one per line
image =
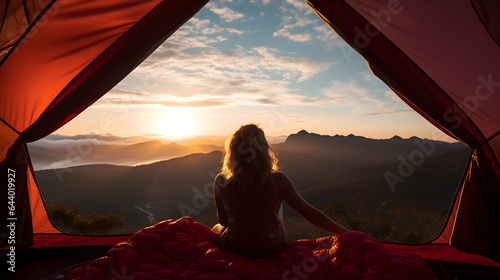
x=323 y=169
x=362 y=148
x=81 y=153
x=74 y=153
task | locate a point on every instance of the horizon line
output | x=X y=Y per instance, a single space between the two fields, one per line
x=160 y=136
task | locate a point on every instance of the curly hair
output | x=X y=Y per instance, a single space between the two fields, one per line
x=249 y=161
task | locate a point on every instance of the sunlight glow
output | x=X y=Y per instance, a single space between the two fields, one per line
x=177 y=123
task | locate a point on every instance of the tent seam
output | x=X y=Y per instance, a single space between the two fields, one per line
x=10 y=126
x=26 y=12
x=458 y=192
x=49 y=107
x=53 y=103
x=492 y=136
x=483 y=22
x=5 y=14
x=25 y=33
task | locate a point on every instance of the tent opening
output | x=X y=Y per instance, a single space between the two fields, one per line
x=150 y=148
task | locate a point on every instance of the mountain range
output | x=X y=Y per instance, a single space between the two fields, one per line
x=87 y=152
x=324 y=169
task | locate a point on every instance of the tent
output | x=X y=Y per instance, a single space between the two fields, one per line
x=58 y=57
x=445 y=70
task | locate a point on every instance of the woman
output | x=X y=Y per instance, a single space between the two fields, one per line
x=249 y=193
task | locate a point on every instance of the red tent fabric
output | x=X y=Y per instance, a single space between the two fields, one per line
x=58 y=57
x=446 y=70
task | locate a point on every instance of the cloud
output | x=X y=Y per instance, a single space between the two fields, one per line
x=297 y=37
x=300 y=68
x=299 y=5
x=256 y=95
x=98 y=137
x=325 y=33
x=119 y=97
x=201 y=103
x=196 y=26
x=367 y=76
x=192 y=72
x=259 y=75
x=118 y=92
x=263 y=2
x=398 y=111
x=357 y=101
x=300 y=24
x=292 y=21
x=225 y=13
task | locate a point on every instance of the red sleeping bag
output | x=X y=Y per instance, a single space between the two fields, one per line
x=185 y=249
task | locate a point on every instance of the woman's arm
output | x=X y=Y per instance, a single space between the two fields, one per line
x=221 y=212
x=295 y=200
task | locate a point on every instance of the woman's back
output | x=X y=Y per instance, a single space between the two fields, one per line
x=249 y=194
x=254 y=220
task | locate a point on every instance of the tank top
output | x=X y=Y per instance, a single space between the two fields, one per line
x=255 y=224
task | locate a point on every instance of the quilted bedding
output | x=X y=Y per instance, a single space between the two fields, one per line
x=185 y=249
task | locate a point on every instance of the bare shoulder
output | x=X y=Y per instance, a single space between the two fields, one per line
x=279 y=175
x=219 y=183
x=219 y=178
x=281 y=180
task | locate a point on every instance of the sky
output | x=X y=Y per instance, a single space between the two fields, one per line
x=275 y=63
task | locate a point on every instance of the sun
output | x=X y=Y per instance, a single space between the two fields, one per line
x=177 y=123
